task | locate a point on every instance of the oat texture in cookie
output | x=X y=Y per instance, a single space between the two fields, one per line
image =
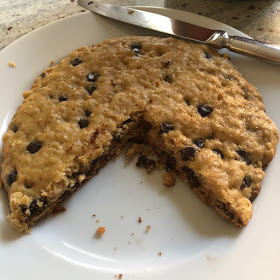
x=187 y=102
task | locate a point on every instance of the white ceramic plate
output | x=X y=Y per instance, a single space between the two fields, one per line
x=196 y=243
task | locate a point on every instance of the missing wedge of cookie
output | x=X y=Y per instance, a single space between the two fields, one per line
x=186 y=101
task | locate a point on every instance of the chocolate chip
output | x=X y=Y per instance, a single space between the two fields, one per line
x=170 y=162
x=34 y=208
x=143 y=161
x=240 y=222
x=168 y=79
x=247 y=181
x=76 y=61
x=254 y=194
x=193 y=179
x=27 y=186
x=187 y=101
x=188 y=153
x=221 y=205
x=127 y=121
x=87 y=113
x=199 y=143
x=204 y=110
x=229 y=78
x=90 y=89
x=43 y=75
x=208 y=55
x=218 y=152
x=245 y=156
x=224 y=207
x=12 y=177
x=166 y=64
x=83 y=123
x=136 y=46
x=62 y=98
x=34 y=146
x=166 y=127
x=91 y=169
x=92 y=77
x=15 y=128
x=117 y=137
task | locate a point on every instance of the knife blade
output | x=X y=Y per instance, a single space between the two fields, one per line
x=214 y=38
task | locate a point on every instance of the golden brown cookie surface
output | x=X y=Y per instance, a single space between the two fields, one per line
x=190 y=104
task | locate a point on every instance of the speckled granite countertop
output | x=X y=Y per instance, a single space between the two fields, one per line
x=259 y=19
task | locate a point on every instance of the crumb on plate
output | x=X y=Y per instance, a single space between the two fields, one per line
x=148 y=228
x=100 y=230
x=132 y=150
x=12 y=64
x=58 y=209
x=169 y=179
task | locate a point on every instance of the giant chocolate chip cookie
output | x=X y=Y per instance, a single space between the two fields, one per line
x=186 y=101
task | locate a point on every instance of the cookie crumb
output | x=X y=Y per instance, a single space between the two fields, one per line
x=9 y=28
x=120 y=276
x=139 y=220
x=100 y=230
x=159 y=165
x=159 y=253
x=169 y=179
x=147 y=228
x=121 y=217
x=58 y=209
x=93 y=215
x=132 y=233
x=225 y=55
x=12 y=64
x=97 y=221
x=132 y=150
x=52 y=62
x=208 y=258
x=136 y=149
x=130 y=12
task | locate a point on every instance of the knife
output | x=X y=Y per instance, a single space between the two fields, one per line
x=215 y=38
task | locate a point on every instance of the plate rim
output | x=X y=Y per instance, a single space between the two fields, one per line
x=82 y=14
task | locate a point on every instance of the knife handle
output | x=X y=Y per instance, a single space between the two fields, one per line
x=253 y=48
x=257 y=49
